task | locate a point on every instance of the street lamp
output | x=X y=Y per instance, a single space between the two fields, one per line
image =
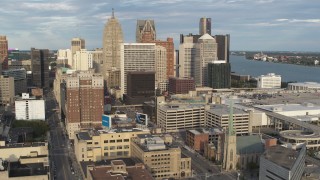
x=238 y=178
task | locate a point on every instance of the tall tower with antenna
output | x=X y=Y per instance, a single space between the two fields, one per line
x=230 y=145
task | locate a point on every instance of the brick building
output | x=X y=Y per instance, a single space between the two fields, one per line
x=196 y=139
x=181 y=85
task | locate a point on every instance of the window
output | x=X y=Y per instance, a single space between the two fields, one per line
x=112 y=141
x=119 y=140
x=89 y=142
x=112 y=147
x=126 y=140
x=105 y=141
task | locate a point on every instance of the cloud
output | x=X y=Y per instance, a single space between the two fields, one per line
x=49 y=6
x=282 y=20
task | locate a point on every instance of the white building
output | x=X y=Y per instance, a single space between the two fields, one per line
x=161 y=68
x=136 y=57
x=206 y=52
x=304 y=86
x=29 y=108
x=82 y=60
x=65 y=55
x=187 y=57
x=270 y=80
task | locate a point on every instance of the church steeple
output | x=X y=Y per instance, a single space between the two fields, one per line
x=231 y=131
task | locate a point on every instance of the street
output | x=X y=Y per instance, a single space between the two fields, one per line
x=63 y=163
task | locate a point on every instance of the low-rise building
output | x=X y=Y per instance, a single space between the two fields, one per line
x=196 y=139
x=92 y=145
x=181 y=85
x=270 y=80
x=30 y=108
x=162 y=160
x=281 y=163
x=304 y=86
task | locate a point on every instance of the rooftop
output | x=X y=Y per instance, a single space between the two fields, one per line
x=19 y=170
x=289 y=107
x=225 y=110
x=249 y=144
x=281 y=156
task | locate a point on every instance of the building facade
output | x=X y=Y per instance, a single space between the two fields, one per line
x=82 y=60
x=30 y=108
x=270 y=80
x=205 y=26
x=181 y=85
x=136 y=57
x=219 y=75
x=187 y=58
x=100 y=145
x=3 y=53
x=145 y=31
x=206 y=52
x=160 y=159
x=112 y=39
x=76 y=45
x=20 y=79
x=7 y=90
x=223 y=51
x=84 y=101
x=40 y=67
x=196 y=139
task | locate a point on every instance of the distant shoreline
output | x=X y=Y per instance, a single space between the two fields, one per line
x=316 y=66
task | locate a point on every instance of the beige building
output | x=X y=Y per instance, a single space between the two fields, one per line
x=206 y=52
x=99 y=145
x=218 y=116
x=64 y=56
x=161 y=160
x=97 y=60
x=26 y=64
x=82 y=60
x=112 y=38
x=76 y=45
x=187 y=57
x=161 y=68
x=7 y=90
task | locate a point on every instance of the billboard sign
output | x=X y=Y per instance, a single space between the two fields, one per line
x=142 y=119
x=106 y=121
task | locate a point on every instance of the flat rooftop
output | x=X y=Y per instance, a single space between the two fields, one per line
x=281 y=156
x=19 y=170
x=288 y=107
x=225 y=110
x=181 y=106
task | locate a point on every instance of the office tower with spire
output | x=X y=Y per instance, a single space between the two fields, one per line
x=230 y=145
x=205 y=26
x=3 y=53
x=206 y=52
x=145 y=31
x=112 y=39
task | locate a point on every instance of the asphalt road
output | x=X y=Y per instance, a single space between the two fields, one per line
x=59 y=148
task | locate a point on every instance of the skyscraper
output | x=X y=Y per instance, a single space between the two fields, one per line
x=136 y=57
x=84 y=101
x=145 y=31
x=40 y=67
x=112 y=38
x=205 y=26
x=187 y=55
x=77 y=44
x=206 y=52
x=219 y=75
x=223 y=42
x=3 y=53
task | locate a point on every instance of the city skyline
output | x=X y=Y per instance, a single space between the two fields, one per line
x=253 y=24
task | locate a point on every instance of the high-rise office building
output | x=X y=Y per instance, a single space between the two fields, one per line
x=84 y=101
x=136 y=57
x=65 y=57
x=82 y=60
x=20 y=79
x=206 y=52
x=3 y=53
x=161 y=68
x=219 y=75
x=205 y=26
x=40 y=67
x=6 y=90
x=145 y=31
x=223 y=42
x=112 y=39
x=181 y=85
x=77 y=44
x=187 y=56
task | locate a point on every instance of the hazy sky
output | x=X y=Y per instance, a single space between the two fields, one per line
x=252 y=24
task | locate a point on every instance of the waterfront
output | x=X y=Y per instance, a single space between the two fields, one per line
x=288 y=72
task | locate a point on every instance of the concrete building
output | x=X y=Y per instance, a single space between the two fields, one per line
x=161 y=67
x=205 y=26
x=270 y=80
x=223 y=51
x=30 y=108
x=97 y=60
x=136 y=57
x=26 y=64
x=82 y=60
x=40 y=67
x=218 y=116
x=206 y=52
x=112 y=39
x=25 y=162
x=162 y=160
x=304 y=86
x=76 y=45
x=95 y=146
x=84 y=101
x=281 y=163
x=65 y=57
x=7 y=90
x=20 y=79
x=179 y=117
x=219 y=75
x=187 y=57
x=181 y=85
x=145 y=31
x=118 y=169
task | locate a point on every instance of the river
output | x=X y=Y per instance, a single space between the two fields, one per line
x=288 y=72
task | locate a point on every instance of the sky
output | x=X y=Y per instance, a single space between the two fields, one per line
x=262 y=25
